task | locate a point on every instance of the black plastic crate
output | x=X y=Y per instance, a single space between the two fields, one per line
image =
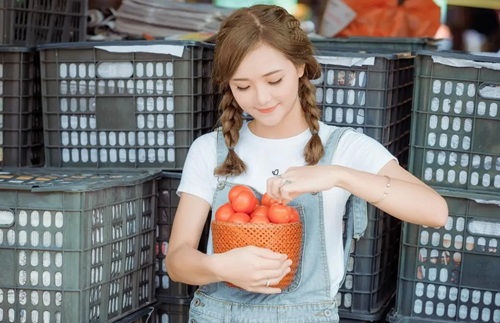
x=171 y=313
x=106 y=108
x=176 y=312
x=168 y=200
x=455 y=122
x=371 y=93
x=371 y=277
x=33 y=22
x=76 y=246
x=400 y=44
x=451 y=274
x=21 y=131
x=144 y=315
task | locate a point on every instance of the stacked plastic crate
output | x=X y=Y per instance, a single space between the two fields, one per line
x=21 y=133
x=23 y=25
x=135 y=106
x=367 y=84
x=173 y=297
x=452 y=274
x=76 y=246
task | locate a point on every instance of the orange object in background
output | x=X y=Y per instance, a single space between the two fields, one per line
x=389 y=18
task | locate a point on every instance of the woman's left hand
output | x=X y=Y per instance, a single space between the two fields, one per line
x=299 y=180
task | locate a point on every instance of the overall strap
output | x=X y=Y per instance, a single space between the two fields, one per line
x=356 y=208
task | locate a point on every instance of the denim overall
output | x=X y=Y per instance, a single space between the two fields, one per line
x=308 y=298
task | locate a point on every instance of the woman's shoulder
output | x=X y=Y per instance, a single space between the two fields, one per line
x=208 y=139
x=348 y=134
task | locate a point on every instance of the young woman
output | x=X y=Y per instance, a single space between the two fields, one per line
x=263 y=65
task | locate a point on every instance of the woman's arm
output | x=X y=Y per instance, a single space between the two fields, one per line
x=407 y=198
x=184 y=262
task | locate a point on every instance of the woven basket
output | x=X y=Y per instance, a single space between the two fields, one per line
x=284 y=238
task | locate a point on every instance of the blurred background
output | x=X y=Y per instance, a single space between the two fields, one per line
x=465 y=25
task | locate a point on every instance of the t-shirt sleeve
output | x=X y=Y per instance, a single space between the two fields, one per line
x=197 y=174
x=361 y=152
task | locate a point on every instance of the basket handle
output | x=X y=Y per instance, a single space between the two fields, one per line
x=7 y=218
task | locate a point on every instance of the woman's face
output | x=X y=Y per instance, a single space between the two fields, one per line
x=265 y=85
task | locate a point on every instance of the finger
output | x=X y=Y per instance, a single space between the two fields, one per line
x=266 y=286
x=286 y=193
x=277 y=273
x=273 y=188
x=268 y=253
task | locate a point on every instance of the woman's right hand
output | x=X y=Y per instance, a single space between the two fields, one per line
x=252 y=267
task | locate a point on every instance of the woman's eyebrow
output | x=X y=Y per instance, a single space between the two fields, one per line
x=267 y=74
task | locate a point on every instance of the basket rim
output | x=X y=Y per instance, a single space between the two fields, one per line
x=254 y=225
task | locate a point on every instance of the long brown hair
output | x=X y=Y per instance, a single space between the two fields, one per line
x=240 y=33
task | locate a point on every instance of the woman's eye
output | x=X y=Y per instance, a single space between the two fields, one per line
x=275 y=82
x=242 y=88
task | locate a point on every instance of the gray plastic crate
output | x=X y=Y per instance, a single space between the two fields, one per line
x=21 y=132
x=114 y=104
x=451 y=274
x=33 y=22
x=369 y=92
x=456 y=122
x=168 y=200
x=400 y=44
x=76 y=246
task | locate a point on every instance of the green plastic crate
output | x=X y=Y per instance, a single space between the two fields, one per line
x=451 y=274
x=76 y=246
x=114 y=104
x=21 y=131
x=456 y=122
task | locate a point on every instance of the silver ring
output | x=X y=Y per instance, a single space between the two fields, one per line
x=284 y=182
x=268 y=282
x=279 y=176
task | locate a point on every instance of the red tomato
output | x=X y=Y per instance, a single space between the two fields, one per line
x=239 y=217
x=245 y=202
x=267 y=200
x=294 y=214
x=261 y=210
x=279 y=213
x=237 y=189
x=259 y=219
x=224 y=212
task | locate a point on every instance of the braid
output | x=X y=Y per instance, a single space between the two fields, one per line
x=314 y=149
x=231 y=121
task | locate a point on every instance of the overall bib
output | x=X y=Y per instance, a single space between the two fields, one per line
x=308 y=298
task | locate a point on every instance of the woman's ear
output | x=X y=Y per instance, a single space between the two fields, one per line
x=300 y=70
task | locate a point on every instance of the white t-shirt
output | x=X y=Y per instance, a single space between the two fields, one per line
x=264 y=156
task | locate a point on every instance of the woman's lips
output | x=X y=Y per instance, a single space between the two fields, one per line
x=267 y=110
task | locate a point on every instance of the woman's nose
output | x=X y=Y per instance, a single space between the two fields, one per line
x=262 y=95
